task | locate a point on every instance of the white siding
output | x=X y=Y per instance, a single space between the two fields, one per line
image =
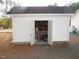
x=23 y=27
x=50 y=33
x=60 y=28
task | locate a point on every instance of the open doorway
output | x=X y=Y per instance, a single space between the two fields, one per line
x=41 y=31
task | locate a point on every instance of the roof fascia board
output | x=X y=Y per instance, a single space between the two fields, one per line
x=67 y=14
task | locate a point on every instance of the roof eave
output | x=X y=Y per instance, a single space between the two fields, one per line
x=70 y=14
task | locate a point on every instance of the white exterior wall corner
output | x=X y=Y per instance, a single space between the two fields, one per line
x=22 y=25
x=75 y=23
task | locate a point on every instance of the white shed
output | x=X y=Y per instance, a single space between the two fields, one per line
x=24 y=19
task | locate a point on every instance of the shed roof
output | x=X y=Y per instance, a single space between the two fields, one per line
x=35 y=10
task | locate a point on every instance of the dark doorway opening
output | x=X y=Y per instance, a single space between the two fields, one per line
x=41 y=31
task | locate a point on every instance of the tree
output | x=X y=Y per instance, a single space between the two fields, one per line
x=9 y=22
x=75 y=6
x=1 y=1
x=9 y=4
x=6 y=23
x=55 y=4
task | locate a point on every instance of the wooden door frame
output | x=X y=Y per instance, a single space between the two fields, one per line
x=33 y=42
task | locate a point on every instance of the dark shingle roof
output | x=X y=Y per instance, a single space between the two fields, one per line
x=34 y=10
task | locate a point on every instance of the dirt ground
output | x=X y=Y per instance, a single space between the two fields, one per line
x=11 y=51
x=7 y=49
x=74 y=39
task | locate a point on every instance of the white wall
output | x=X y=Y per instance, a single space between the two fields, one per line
x=23 y=27
x=61 y=28
x=75 y=22
x=50 y=33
